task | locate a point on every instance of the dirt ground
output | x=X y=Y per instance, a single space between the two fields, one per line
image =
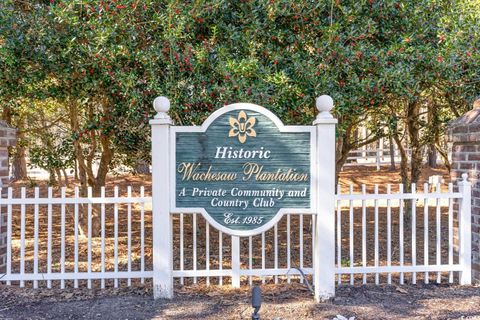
x=280 y=302
x=283 y=301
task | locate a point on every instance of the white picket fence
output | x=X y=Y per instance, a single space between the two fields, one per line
x=438 y=200
x=400 y=251
x=85 y=269
x=379 y=156
x=373 y=157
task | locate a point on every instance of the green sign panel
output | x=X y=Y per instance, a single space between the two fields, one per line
x=243 y=169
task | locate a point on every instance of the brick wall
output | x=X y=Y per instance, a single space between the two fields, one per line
x=464 y=141
x=7 y=139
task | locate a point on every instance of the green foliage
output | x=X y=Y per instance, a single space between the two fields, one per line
x=111 y=58
x=56 y=157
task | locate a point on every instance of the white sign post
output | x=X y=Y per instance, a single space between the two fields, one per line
x=324 y=246
x=161 y=219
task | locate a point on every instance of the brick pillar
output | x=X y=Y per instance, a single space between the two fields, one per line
x=464 y=144
x=7 y=139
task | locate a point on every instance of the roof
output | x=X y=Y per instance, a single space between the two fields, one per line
x=467 y=127
x=471 y=117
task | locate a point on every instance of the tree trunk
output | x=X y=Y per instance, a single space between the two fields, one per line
x=444 y=156
x=392 y=153
x=404 y=174
x=416 y=160
x=75 y=169
x=52 y=180
x=19 y=163
x=65 y=177
x=434 y=130
x=341 y=154
x=85 y=162
x=341 y=158
x=59 y=175
x=403 y=162
x=432 y=156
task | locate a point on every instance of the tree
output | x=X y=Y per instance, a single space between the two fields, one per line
x=438 y=84
x=383 y=62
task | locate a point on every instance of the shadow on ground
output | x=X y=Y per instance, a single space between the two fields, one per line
x=280 y=302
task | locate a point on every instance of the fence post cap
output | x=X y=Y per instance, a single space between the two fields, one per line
x=324 y=103
x=465 y=177
x=162 y=106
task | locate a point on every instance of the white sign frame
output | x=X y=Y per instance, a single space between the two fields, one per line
x=282 y=128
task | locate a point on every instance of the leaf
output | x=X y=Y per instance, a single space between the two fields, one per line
x=401 y=290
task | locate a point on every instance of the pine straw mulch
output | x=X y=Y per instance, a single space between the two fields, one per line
x=280 y=302
x=285 y=300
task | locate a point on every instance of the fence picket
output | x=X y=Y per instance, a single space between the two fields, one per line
x=76 y=226
x=9 y=235
x=22 y=238
x=275 y=244
x=182 y=267
x=351 y=223
x=89 y=245
x=102 y=227
x=389 y=234
x=142 y=234
x=220 y=255
x=235 y=259
x=89 y=240
x=49 y=237
x=401 y=233
x=450 y=232
x=129 y=235
x=376 y=258
x=263 y=255
x=194 y=235
x=35 y=236
x=250 y=257
x=207 y=249
x=288 y=249
x=414 y=233
x=465 y=230
x=339 y=233
x=115 y=236
x=425 y=232
x=438 y=238
x=62 y=238
x=300 y=222
x=364 y=233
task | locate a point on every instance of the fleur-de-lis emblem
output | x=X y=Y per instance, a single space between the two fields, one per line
x=242 y=127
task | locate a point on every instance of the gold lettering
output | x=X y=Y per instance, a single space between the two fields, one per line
x=190 y=172
x=252 y=169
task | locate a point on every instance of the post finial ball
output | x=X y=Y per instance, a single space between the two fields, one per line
x=324 y=103
x=161 y=104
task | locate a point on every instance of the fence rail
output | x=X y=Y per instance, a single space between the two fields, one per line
x=374 y=157
x=65 y=245
x=436 y=208
x=388 y=236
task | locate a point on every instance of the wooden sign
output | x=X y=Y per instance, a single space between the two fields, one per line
x=242 y=169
